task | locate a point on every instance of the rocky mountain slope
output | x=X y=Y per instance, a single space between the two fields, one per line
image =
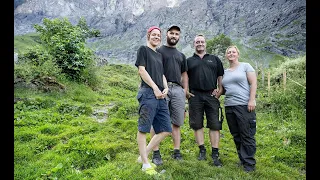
x=278 y=26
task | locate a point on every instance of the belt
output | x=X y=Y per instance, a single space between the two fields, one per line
x=201 y=91
x=172 y=84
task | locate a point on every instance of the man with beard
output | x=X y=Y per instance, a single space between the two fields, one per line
x=205 y=73
x=175 y=67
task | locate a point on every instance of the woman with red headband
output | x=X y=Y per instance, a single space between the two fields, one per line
x=153 y=108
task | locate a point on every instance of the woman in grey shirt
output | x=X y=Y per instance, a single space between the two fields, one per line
x=239 y=87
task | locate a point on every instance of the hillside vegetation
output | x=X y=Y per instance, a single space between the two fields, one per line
x=22 y=42
x=76 y=120
x=90 y=133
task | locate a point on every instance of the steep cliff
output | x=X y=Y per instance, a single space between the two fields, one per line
x=277 y=26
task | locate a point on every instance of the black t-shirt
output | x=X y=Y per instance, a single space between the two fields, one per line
x=203 y=73
x=174 y=63
x=152 y=61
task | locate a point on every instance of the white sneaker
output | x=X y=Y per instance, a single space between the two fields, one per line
x=150 y=170
x=139 y=160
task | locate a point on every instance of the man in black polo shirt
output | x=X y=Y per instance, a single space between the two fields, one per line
x=175 y=70
x=205 y=71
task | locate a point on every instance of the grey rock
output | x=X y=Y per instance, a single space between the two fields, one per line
x=278 y=26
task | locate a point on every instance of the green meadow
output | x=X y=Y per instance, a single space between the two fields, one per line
x=82 y=132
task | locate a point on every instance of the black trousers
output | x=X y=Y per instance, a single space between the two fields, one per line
x=242 y=126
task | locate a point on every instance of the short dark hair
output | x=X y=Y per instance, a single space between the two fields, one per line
x=174 y=27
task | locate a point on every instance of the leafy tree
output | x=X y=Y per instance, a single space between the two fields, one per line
x=218 y=46
x=66 y=43
x=85 y=29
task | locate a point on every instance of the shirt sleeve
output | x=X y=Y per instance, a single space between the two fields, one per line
x=184 y=66
x=249 y=68
x=141 y=57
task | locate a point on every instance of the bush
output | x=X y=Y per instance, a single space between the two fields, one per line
x=66 y=43
x=34 y=64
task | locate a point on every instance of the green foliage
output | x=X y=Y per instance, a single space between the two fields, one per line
x=34 y=104
x=89 y=76
x=75 y=110
x=295 y=69
x=125 y=109
x=66 y=43
x=218 y=46
x=289 y=104
x=35 y=63
x=285 y=107
x=258 y=58
x=56 y=135
x=88 y=33
x=289 y=101
x=120 y=80
x=25 y=136
x=23 y=42
x=36 y=55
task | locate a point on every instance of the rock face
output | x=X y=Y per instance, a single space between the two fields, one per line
x=277 y=26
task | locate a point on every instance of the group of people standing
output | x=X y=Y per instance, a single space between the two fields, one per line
x=168 y=78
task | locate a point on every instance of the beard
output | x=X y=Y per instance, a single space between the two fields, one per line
x=171 y=41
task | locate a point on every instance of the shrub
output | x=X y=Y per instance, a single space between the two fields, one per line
x=66 y=43
x=36 y=63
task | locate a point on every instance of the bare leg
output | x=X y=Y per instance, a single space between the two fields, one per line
x=145 y=150
x=152 y=133
x=214 y=138
x=141 y=139
x=176 y=136
x=199 y=135
x=155 y=140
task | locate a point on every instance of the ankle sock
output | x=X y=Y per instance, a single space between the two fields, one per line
x=201 y=147
x=157 y=152
x=215 y=150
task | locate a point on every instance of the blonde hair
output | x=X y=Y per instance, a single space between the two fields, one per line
x=232 y=46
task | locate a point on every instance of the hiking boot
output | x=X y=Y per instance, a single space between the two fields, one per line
x=156 y=159
x=216 y=160
x=202 y=155
x=249 y=168
x=176 y=154
x=150 y=171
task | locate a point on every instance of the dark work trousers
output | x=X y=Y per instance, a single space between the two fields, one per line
x=242 y=126
x=204 y=103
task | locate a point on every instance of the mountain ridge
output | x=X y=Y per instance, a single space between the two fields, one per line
x=277 y=26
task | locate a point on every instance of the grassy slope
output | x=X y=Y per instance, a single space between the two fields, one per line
x=22 y=42
x=57 y=136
